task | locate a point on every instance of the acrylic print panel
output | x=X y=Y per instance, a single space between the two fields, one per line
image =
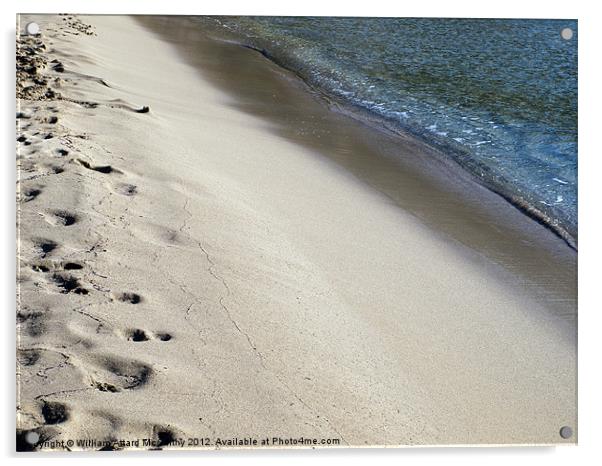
x=270 y=232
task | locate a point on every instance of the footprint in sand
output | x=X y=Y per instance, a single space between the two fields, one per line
x=57 y=66
x=136 y=335
x=29 y=194
x=52 y=266
x=55 y=169
x=44 y=169
x=28 y=357
x=54 y=412
x=163 y=336
x=32 y=322
x=105 y=373
x=122 y=104
x=72 y=266
x=68 y=284
x=125 y=189
x=113 y=374
x=126 y=297
x=44 y=247
x=164 y=436
x=139 y=335
x=62 y=217
x=98 y=168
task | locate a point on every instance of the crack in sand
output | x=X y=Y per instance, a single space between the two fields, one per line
x=98 y=236
x=100 y=322
x=62 y=392
x=212 y=271
x=185 y=291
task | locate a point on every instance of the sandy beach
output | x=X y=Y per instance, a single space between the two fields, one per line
x=209 y=250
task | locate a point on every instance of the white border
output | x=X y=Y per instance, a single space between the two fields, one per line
x=590 y=170
x=441 y=8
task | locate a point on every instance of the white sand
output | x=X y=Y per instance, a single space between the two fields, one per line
x=299 y=301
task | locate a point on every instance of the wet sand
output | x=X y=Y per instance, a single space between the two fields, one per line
x=207 y=250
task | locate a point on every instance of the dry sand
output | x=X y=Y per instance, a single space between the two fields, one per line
x=187 y=273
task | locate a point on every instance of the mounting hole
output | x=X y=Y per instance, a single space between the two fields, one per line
x=32 y=29
x=32 y=437
x=566 y=33
x=566 y=432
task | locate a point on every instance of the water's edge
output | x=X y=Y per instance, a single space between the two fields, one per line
x=569 y=235
x=434 y=189
x=504 y=113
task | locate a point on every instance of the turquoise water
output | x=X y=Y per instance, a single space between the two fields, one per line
x=498 y=96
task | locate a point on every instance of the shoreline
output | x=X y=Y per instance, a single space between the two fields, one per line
x=447 y=154
x=202 y=269
x=438 y=188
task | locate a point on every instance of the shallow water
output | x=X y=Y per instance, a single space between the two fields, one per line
x=498 y=96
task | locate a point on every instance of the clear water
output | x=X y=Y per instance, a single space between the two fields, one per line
x=499 y=96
